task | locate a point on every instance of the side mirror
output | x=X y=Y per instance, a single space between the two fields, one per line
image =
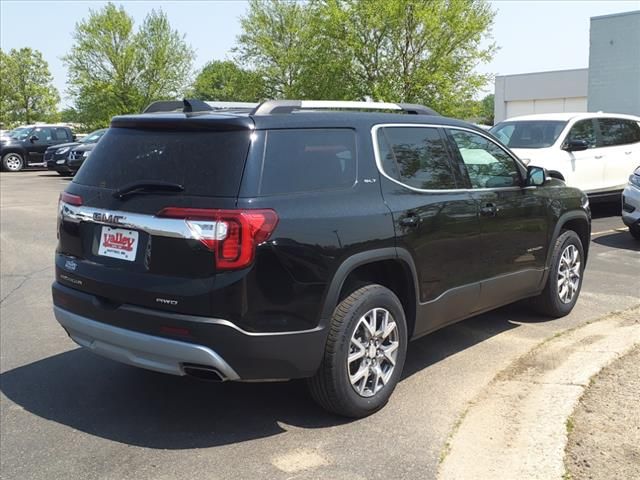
x=536 y=176
x=33 y=138
x=576 y=145
x=74 y=137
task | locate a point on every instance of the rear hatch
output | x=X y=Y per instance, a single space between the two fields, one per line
x=140 y=222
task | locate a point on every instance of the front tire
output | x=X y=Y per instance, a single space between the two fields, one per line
x=12 y=162
x=634 y=230
x=364 y=355
x=564 y=282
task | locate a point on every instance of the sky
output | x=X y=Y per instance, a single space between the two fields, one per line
x=532 y=36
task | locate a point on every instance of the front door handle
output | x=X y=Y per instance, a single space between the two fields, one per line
x=598 y=157
x=489 y=210
x=410 y=221
x=627 y=153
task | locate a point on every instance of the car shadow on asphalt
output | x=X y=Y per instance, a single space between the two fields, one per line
x=138 y=407
x=622 y=240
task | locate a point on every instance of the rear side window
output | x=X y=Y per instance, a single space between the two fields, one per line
x=416 y=156
x=303 y=160
x=61 y=134
x=206 y=163
x=618 y=131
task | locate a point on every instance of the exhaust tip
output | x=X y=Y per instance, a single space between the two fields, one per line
x=203 y=372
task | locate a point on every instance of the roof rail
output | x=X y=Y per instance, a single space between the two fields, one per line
x=193 y=105
x=289 y=106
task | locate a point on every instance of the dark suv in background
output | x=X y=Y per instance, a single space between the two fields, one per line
x=67 y=158
x=25 y=146
x=295 y=239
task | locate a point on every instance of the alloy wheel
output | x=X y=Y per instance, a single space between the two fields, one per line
x=373 y=352
x=569 y=274
x=13 y=162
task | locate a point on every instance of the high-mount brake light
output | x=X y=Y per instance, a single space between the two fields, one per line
x=71 y=199
x=231 y=234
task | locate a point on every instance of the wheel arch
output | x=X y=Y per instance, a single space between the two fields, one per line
x=390 y=267
x=577 y=221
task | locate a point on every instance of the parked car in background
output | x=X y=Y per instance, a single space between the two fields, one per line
x=59 y=158
x=25 y=146
x=591 y=151
x=631 y=204
x=279 y=241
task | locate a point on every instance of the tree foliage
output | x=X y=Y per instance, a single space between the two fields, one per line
x=26 y=90
x=225 y=81
x=417 y=51
x=113 y=69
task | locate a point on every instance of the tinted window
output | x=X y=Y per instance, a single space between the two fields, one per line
x=61 y=134
x=416 y=156
x=44 y=135
x=308 y=160
x=488 y=165
x=583 y=130
x=204 y=162
x=616 y=131
x=528 y=134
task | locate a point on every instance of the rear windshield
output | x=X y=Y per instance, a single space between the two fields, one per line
x=529 y=134
x=205 y=163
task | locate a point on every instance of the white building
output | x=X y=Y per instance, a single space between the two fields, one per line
x=610 y=84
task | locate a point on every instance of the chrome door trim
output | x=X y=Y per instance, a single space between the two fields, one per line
x=376 y=151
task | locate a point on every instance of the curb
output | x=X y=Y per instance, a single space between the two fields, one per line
x=516 y=428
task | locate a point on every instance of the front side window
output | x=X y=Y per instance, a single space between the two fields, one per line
x=416 y=156
x=615 y=131
x=488 y=165
x=304 y=160
x=528 y=133
x=44 y=135
x=583 y=130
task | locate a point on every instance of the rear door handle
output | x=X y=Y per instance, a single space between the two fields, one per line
x=489 y=210
x=598 y=157
x=410 y=221
x=627 y=153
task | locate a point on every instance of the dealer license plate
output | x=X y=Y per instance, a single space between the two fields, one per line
x=118 y=243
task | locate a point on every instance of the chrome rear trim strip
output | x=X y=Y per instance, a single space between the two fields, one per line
x=157 y=226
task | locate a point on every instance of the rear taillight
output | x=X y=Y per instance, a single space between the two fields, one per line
x=231 y=234
x=71 y=199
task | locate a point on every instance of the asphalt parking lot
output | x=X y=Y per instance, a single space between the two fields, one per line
x=68 y=414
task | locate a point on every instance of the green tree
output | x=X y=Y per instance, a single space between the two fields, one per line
x=113 y=69
x=422 y=51
x=225 y=81
x=26 y=90
x=487 y=109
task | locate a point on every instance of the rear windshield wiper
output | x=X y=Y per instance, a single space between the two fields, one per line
x=151 y=186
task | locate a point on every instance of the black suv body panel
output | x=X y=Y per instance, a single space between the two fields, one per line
x=270 y=320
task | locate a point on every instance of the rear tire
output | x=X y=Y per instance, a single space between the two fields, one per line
x=12 y=162
x=635 y=231
x=564 y=281
x=364 y=354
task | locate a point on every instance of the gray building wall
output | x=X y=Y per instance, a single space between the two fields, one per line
x=614 y=63
x=541 y=92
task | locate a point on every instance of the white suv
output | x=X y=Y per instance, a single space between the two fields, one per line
x=591 y=151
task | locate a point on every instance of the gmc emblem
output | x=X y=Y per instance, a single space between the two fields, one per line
x=107 y=217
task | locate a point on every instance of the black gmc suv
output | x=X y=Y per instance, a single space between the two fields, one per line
x=292 y=240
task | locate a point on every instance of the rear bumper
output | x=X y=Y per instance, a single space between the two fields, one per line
x=166 y=341
x=138 y=349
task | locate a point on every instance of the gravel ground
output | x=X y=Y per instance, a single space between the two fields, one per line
x=604 y=431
